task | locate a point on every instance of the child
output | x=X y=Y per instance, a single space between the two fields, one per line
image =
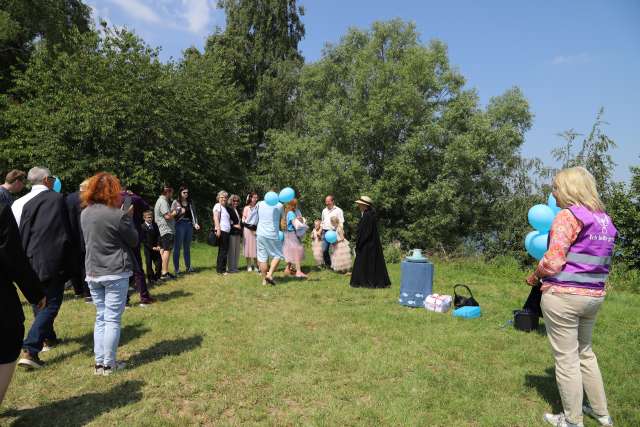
x=150 y=240
x=341 y=255
x=316 y=242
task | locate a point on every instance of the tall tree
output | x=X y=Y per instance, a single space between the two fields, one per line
x=593 y=154
x=23 y=22
x=112 y=105
x=382 y=113
x=260 y=46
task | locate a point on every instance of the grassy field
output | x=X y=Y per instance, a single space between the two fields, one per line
x=227 y=351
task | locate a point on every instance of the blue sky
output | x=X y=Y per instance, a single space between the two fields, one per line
x=569 y=57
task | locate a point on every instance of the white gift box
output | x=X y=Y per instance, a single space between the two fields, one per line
x=438 y=303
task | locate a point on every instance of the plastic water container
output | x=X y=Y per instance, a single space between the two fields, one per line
x=416 y=280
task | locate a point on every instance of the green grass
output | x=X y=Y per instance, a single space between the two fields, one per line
x=228 y=351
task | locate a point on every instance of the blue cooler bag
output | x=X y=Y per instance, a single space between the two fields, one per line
x=416 y=280
x=467 y=312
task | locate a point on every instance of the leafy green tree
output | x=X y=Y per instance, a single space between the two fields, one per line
x=623 y=204
x=260 y=47
x=383 y=114
x=24 y=22
x=593 y=153
x=111 y=105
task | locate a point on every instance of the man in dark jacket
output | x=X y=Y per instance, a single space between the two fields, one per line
x=74 y=209
x=14 y=267
x=43 y=222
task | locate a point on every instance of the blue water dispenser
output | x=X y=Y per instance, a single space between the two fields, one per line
x=416 y=279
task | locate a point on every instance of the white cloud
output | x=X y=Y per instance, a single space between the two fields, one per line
x=139 y=10
x=197 y=15
x=581 y=58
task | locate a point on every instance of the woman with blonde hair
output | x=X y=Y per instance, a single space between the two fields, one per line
x=293 y=249
x=222 y=226
x=573 y=273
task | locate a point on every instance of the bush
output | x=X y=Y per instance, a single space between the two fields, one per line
x=393 y=253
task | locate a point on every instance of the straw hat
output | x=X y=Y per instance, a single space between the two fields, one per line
x=365 y=200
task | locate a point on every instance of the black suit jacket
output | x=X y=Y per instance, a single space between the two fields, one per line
x=14 y=268
x=46 y=239
x=74 y=210
x=150 y=238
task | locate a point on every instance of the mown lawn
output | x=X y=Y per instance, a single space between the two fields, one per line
x=228 y=351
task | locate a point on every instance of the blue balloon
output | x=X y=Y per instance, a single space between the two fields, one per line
x=280 y=236
x=271 y=198
x=540 y=217
x=57 y=185
x=331 y=236
x=529 y=238
x=553 y=204
x=538 y=246
x=287 y=194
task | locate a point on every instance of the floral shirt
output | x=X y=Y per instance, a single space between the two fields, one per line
x=564 y=232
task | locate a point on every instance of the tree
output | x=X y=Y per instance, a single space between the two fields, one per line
x=24 y=22
x=111 y=105
x=592 y=155
x=382 y=114
x=260 y=47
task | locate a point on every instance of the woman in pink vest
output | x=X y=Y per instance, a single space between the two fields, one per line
x=573 y=272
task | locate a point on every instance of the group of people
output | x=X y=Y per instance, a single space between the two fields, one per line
x=94 y=236
x=270 y=233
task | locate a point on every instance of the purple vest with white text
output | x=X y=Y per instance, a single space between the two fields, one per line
x=589 y=258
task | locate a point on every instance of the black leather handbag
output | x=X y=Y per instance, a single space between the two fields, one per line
x=212 y=238
x=525 y=320
x=462 y=301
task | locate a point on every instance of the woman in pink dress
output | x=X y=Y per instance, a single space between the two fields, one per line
x=293 y=249
x=249 y=222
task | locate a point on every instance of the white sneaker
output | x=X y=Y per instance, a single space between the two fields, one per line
x=559 y=420
x=249 y=269
x=604 y=420
x=108 y=370
x=98 y=370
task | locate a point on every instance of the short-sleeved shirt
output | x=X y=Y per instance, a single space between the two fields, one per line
x=269 y=220
x=162 y=208
x=5 y=197
x=328 y=214
x=225 y=220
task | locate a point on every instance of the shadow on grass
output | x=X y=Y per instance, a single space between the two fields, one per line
x=128 y=333
x=172 y=295
x=78 y=410
x=546 y=387
x=164 y=349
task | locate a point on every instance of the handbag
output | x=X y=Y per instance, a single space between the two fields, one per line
x=462 y=301
x=525 y=320
x=212 y=238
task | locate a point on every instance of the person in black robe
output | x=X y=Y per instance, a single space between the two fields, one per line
x=369 y=269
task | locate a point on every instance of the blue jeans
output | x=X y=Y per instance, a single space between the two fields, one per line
x=109 y=298
x=325 y=252
x=184 y=236
x=42 y=327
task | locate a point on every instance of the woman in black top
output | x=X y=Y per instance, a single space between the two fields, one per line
x=14 y=268
x=235 y=235
x=186 y=221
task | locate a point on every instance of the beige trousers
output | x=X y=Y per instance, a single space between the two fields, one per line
x=569 y=320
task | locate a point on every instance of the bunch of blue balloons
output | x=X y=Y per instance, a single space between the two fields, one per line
x=286 y=195
x=540 y=217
